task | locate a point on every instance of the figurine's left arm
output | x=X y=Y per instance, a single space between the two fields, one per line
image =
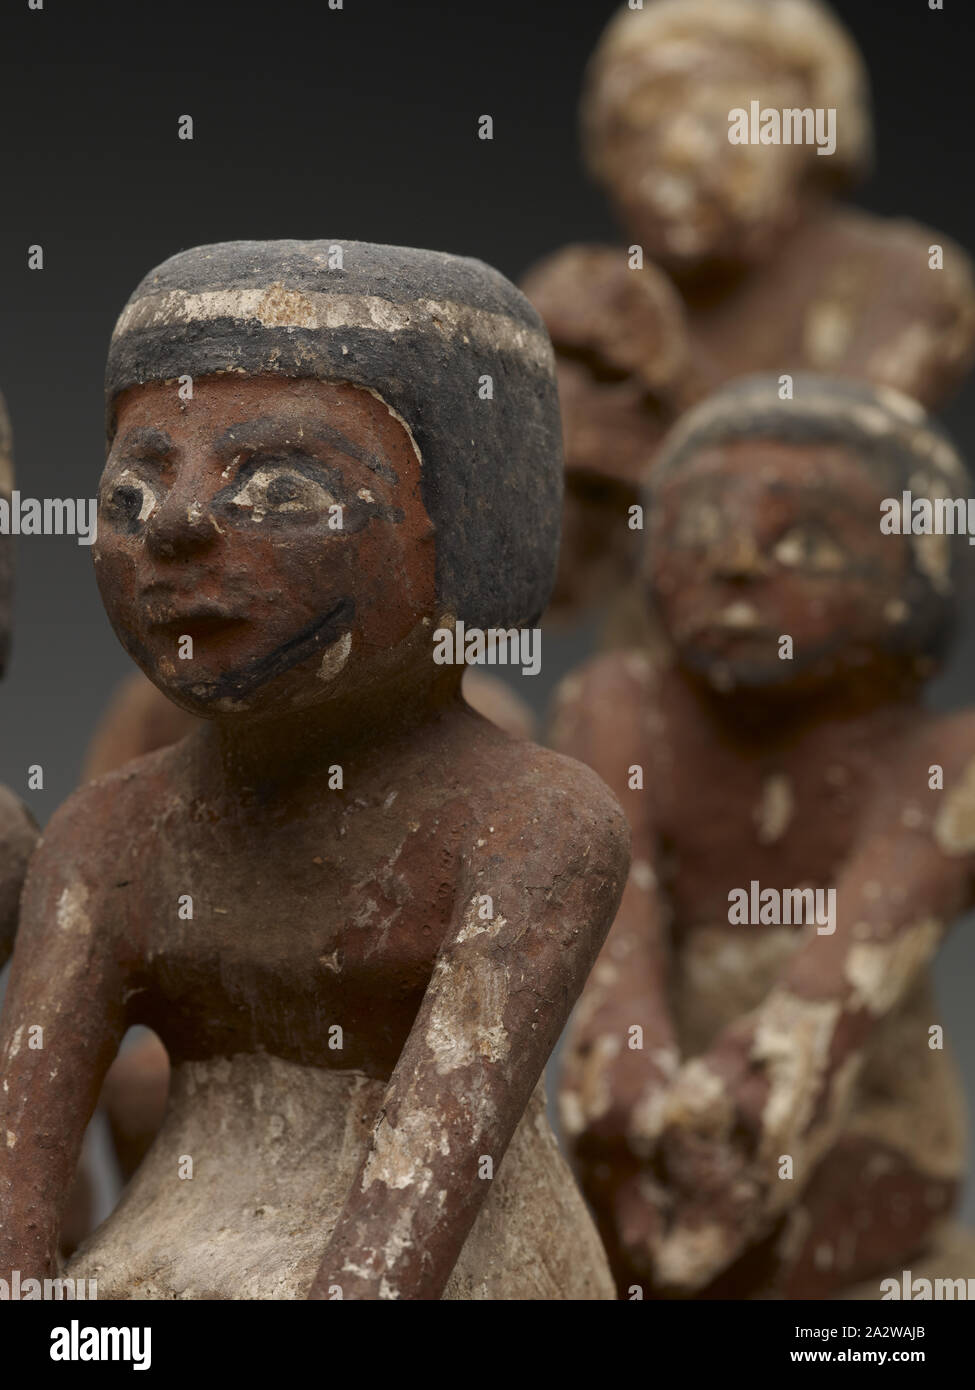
x=538 y=902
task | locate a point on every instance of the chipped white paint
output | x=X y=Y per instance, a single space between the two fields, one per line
x=11 y=1139
x=397 y=1156
x=954 y=827
x=699 y=1092
x=474 y=925
x=881 y=973
x=792 y=1040
x=775 y=810
x=467 y=1018
x=334 y=657
x=643 y=875
x=740 y=617
x=571 y=1113
x=690 y=1257
x=71 y=913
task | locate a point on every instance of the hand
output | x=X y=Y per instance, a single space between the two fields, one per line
x=612 y=1097
x=757 y=1096
x=708 y=1180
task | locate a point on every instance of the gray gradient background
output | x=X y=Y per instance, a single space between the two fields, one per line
x=357 y=123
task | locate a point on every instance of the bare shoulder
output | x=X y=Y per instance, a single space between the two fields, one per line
x=92 y=836
x=543 y=806
x=606 y=700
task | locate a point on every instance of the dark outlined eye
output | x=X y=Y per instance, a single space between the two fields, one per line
x=274 y=489
x=810 y=547
x=131 y=498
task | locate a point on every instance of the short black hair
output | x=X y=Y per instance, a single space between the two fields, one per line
x=422 y=329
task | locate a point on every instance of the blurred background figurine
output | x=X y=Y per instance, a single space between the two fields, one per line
x=768 y=272
x=758 y=1108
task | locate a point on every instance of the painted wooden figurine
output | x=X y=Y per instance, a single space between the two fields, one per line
x=138 y=720
x=356 y=913
x=756 y=1087
x=722 y=132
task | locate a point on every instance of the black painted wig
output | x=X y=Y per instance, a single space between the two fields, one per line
x=421 y=329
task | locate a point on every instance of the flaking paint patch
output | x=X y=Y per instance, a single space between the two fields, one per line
x=571 y=1112
x=467 y=1020
x=700 y=1092
x=397 y=1154
x=71 y=914
x=594 y=1091
x=792 y=1039
x=335 y=656
x=954 y=826
x=474 y=925
x=882 y=973
x=775 y=810
x=689 y=1258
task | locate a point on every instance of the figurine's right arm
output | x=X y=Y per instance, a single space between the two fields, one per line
x=61 y=1025
x=622 y=1049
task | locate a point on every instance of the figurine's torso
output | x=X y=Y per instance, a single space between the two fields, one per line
x=284 y=1002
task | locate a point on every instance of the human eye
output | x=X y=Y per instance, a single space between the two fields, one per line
x=129 y=498
x=277 y=488
x=809 y=546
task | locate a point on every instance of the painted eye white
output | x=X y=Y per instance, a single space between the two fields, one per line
x=281 y=489
x=805 y=548
x=147 y=498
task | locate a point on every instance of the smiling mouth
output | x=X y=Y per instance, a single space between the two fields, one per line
x=243 y=680
x=200 y=626
x=199 y=620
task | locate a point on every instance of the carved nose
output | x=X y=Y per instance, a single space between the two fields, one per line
x=740 y=557
x=181 y=526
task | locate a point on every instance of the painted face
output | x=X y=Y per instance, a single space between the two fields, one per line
x=263 y=543
x=758 y=540
x=683 y=190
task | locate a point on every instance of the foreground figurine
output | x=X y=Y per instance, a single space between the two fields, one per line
x=755 y=1088
x=769 y=271
x=139 y=720
x=356 y=913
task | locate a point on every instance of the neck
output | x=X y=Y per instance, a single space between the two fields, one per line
x=285 y=749
x=891 y=691
x=701 y=282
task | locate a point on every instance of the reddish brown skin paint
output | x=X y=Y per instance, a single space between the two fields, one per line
x=676 y=1144
x=239 y=814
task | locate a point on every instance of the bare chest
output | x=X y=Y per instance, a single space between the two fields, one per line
x=312 y=938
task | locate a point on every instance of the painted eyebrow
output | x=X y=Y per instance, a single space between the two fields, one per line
x=152 y=441
x=270 y=433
